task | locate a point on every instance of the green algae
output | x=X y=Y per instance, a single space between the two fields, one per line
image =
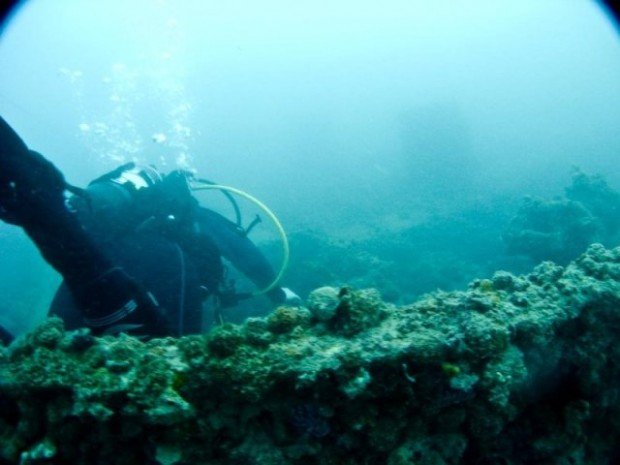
x=516 y=369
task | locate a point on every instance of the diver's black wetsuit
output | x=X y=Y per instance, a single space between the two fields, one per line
x=181 y=273
x=150 y=277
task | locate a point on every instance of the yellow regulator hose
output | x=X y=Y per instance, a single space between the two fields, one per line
x=272 y=217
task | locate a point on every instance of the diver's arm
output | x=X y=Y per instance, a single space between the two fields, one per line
x=32 y=196
x=239 y=250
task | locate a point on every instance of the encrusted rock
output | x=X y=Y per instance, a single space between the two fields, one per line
x=283 y=319
x=512 y=370
x=323 y=302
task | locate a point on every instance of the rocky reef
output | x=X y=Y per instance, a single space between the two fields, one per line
x=513 y=370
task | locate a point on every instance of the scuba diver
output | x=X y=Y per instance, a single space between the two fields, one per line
x=136 y=251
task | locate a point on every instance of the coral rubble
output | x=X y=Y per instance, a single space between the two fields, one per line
x=516 y=369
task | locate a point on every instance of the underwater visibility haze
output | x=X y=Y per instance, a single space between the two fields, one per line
x=424 y=159
x=348 y=119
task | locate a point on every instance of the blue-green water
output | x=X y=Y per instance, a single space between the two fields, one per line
x=401 y=135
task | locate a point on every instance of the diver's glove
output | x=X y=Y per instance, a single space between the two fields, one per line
x=284 y=296
x=290 y=298
x=115 y=303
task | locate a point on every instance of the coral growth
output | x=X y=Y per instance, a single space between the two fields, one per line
x=516 y=369
x=561 y=229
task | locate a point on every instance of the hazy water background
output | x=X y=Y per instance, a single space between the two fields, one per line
x=352 y=120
